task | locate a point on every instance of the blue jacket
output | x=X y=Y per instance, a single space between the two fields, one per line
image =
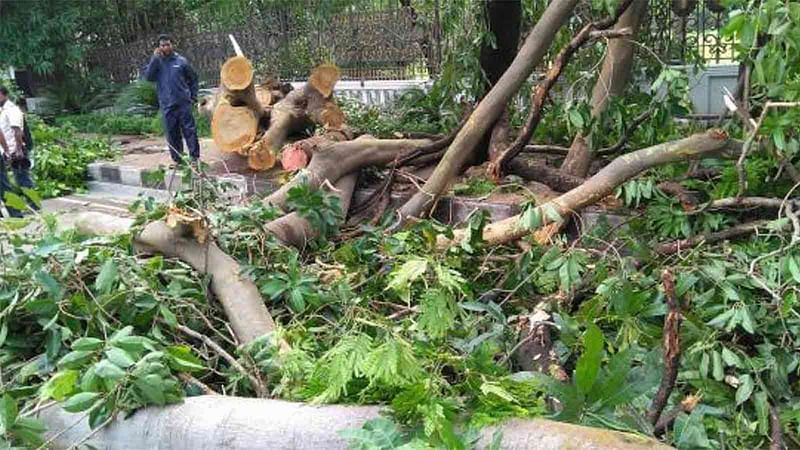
x=175 y=79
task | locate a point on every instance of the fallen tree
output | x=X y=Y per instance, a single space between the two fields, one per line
x=212 y=422
x=714 y=143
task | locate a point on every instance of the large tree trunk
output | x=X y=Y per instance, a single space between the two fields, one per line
x=490 y=108
x=239 y=296
x=713 y=143
x=234 y=423
x=503 y=19
x=612 y=81
x=503 y=22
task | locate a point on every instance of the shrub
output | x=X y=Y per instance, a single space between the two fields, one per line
x=61 y=159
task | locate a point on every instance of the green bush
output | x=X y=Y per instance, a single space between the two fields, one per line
x=139 y=96
x=120 y=123
x=61 y=159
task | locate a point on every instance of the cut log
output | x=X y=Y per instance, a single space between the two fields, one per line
x=310 y=105
x=233 y=127
x=213 y=422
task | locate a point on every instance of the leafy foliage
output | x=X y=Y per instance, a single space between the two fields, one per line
x=61 y=158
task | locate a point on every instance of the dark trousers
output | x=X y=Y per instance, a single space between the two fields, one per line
x=21 y=169
x=179 y=125
x=5 y=186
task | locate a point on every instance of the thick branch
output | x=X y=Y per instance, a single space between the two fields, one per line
x=490 y=108
x=239 y=296
x=587 y=33
x=235 y=423
x=332 y=162
x=743 y=229
x=713 y=143
x=612 y=81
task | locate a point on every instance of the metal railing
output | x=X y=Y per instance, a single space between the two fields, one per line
x=398 y=43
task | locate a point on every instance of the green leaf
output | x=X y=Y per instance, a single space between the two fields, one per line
x=87 y=344
x=722 y=319
x=437 y=313
x=576 y=119
x=794 y=268
x=273 y=288
x=745 y=389
x=730 y=358
x=133 y=344
x=376 y=434
x=33 y=196
x=60 y=385
x=49 y=284
x=120 y=357
x=75 y=359
x=588 y=364
x=495 y=389
x=107 y=276
x=747 y=320
x=717 y=370
x=13 y=200
x=760 y=401
x=182 y=359
x=168 y=316
x=81 y=402
x=8 y=413
x=152 y=388
x=532 y=218
x=107 y=371
x=407 y=274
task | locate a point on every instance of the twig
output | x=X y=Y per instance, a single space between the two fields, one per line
x=741 y=202
x=258 y=384
x=776 y=433
x=669 y=248
x=92 y=433
x=627 y=134
x=591 y=31
x=753 y=126
x=687 y=405
x=672 y=349
x=192 y=380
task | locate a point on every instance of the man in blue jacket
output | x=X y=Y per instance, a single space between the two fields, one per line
x=177 y=86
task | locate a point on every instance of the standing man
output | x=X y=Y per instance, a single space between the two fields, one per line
x=12 y=143
x=177 y=86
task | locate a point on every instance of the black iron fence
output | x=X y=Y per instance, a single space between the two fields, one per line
x=389 y=43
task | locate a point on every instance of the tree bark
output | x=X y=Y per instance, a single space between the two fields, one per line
x=239 y=296
x=332 y=162
x=234 y=423
x=300 y=108
x=490 y=108
x=713 y=143
x=503 y=19
x=612 y=81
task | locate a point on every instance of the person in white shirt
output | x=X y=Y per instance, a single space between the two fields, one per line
x=12 y=143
